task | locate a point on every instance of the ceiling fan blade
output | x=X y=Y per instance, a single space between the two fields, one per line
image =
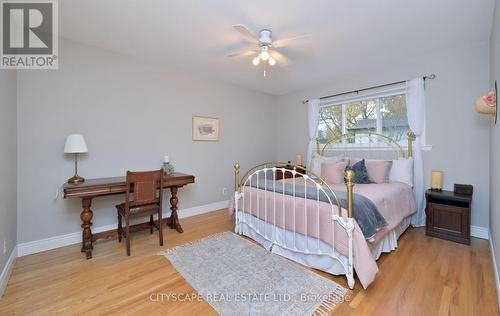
x=280 y=58
x=285 y=41
x=247 y=35
x=243 y=53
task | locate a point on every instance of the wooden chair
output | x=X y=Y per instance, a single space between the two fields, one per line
x=147 y=190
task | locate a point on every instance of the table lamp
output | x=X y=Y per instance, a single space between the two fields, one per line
x=75 y=144
x=298 y=159
x=437 y=181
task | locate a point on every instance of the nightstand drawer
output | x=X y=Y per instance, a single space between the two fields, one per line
x=447 y=219
x=288 y=173
x=448 y=215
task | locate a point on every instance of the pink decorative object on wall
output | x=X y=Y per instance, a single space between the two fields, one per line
x=487 y=104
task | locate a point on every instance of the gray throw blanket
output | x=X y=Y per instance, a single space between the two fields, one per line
x=365 y=212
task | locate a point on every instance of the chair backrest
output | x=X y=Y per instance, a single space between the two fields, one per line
x=147 y=187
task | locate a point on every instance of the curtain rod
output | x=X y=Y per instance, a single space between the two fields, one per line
x=431 y=76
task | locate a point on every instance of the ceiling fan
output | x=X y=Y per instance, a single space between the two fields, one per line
x=265 y=48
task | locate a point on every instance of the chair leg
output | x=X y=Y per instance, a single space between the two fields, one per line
x=151 y=224
x=160 y=228
x=127 y=232
x=120 y=228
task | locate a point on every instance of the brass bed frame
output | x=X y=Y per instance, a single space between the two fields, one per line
x=410 y=136
x=320 y=184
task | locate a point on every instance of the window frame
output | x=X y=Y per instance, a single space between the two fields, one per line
x=386 y=92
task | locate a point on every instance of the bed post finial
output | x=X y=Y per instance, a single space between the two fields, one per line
x=237 y=177
x=349 y=176
x=411 y=137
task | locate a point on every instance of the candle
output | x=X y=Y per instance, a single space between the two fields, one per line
x=166 y=159
x=437 y=180
x=298 y=159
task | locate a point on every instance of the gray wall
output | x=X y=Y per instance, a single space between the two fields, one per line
x=131 y=114
x=458 y=135
x=8 y=165
x=106 y=96
x=495 y=141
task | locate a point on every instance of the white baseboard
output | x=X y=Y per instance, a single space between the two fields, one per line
x=7 y=270
x=197 y=210
x=495 y=269
x=479 y=232
x=37 y=246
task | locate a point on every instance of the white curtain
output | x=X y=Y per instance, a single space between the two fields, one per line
x=313 y=120
x=415 y=104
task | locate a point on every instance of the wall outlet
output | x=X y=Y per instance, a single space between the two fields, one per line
x=4 y=246
x=224 y=191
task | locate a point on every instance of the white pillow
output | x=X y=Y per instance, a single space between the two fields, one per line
x=402 y=171
x=317 y=160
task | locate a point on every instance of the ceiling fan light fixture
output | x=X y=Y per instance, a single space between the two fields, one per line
x=264 y=46
x=264 y=53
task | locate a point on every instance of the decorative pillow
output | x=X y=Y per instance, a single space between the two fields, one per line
x=361 y=174
x=378 y=170
x=317 y=160
x=333 y=172
x=402 y=171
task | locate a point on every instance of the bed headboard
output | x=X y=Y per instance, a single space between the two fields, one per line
x=375 y=146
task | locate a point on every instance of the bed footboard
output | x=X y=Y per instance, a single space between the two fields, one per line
x=294 y=213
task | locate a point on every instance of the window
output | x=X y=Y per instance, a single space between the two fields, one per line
x=382 y=113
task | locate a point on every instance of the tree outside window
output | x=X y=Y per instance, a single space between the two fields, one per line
x=384 y=115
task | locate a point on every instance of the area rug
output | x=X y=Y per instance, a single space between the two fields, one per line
x=238 y=277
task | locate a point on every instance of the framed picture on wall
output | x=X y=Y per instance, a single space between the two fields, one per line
x=205 y=128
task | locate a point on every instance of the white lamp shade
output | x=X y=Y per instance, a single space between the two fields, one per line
x=75 y=144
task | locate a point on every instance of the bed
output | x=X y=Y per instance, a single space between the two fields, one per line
x=337 y=228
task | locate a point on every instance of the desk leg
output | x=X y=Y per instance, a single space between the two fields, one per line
x=86 y=217
x=174 y=219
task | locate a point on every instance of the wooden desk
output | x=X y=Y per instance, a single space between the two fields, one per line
x=92 y=188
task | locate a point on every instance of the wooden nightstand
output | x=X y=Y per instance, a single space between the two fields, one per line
x=279 y=174
x=448 y=215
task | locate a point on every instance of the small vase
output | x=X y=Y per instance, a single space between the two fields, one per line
x=168 y=168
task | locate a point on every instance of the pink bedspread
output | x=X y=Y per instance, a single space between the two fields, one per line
x=394 y=200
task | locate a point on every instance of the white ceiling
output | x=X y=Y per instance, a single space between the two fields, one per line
x=347 y=36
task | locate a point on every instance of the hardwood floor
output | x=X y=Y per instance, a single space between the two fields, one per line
x=424 y=276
